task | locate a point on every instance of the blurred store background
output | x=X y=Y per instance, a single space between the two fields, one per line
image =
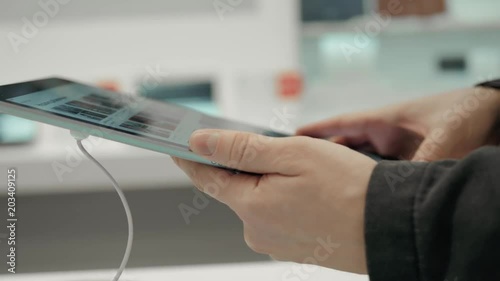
x=252 y=60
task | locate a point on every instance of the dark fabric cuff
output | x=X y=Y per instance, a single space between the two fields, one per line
x=494 y=84
x=389 y=221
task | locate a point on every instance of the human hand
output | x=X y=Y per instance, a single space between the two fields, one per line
x=449 y=125
x=303 y=202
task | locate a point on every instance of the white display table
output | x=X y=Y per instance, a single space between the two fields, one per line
x=263 y=271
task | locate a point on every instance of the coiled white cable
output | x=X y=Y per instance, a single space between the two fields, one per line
x=125 y=206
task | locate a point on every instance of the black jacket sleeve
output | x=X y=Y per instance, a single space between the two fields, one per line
x=436 y=221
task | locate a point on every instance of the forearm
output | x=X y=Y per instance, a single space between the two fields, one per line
x=435 y=221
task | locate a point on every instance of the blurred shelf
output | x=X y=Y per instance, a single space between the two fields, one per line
x=398 y=26
x=55 y=150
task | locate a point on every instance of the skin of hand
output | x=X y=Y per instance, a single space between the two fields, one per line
x=301 y=200
x=446 y=126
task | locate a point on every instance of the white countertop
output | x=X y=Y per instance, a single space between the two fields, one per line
x=262 y=271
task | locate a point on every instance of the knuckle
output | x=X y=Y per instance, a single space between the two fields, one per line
x=254 y=243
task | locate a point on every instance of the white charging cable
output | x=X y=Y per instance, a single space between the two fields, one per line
x=126 y=256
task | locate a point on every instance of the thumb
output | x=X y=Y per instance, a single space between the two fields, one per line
x=246 y=151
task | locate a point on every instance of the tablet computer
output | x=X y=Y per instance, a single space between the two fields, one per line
x=128 y=119
x=133 y=120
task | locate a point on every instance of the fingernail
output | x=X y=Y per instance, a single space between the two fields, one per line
x=203 y=143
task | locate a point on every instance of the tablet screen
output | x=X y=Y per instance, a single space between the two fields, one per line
x=134 y=115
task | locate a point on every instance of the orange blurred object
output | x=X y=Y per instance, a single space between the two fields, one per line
x=411 y=7
x=109 y=85
x=290 y=85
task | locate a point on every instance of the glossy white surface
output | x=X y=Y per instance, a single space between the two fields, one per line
x=264 y=271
